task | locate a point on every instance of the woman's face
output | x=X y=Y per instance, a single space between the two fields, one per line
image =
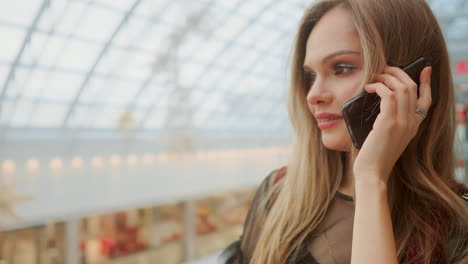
x=333 y=66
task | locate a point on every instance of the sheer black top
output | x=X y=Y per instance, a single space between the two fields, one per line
x=333 y=241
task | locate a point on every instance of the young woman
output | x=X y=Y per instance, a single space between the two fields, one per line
x=393 y=201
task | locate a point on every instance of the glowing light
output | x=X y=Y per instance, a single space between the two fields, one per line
x=32 y=165
x=8 y=167
x=97 y=162
x=115 y=160
x=148 y=159
x=163 y=158
x=56 y=164
x=132 y=160
x=77 y=162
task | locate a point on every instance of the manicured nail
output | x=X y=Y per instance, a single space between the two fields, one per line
x=426 y=77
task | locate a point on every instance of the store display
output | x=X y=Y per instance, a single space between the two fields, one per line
x=110 y=236
x=35 y=245
x=220 y=218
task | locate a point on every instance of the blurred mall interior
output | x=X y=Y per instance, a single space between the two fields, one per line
x=136 y=131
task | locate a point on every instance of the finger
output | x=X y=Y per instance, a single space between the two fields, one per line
x=408 y=82
x=388 y=104
x=400 y=74
x=401 y=93
x=425 y=96
x=371 y=87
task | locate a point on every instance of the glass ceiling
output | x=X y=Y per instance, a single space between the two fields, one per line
x=113 y=64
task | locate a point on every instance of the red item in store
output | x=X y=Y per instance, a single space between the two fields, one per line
x=462 y=67
x=127 y=241
x=461 y=114
x=82 y=246
x=107 y=247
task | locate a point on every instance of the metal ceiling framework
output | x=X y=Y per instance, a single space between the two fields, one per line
x=231 y=93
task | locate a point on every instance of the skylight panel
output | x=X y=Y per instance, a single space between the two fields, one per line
x=231 y=27
x=79 y=56
x=114 y=118
x=253 y=8
x=132 y=31
x=13 y=39
x=123 y=92
x=150 y=95
x=54 y=49
x=54 y=15
x=3 y=73
x=99 y=24
x=48 y=115
x=120 y=4
x=20 y=112
x=138 y=66
x=148 y=7
x=157 y=119
x=189 y=72
x=82 y=116
x=96 y=88
x=113 y=61
x=74 y=16
x=60 y=87
x=20 y=12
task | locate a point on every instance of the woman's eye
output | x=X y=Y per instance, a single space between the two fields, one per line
x=309 y=77
x=343 y=68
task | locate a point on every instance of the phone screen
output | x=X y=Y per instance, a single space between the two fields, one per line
x=361 y=111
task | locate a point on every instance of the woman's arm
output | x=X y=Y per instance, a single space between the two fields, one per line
x=373 y=239
x=395 y=126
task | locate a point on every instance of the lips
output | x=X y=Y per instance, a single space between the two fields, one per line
x=327 y=120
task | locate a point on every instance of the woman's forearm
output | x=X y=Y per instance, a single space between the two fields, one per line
x=373 y=239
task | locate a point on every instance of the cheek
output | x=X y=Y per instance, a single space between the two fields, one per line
x=349 y=89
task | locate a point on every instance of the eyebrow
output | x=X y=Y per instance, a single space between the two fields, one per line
x=334 y=54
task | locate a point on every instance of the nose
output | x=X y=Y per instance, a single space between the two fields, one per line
x=318 y=94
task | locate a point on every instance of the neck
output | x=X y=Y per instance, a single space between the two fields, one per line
x=347 y=182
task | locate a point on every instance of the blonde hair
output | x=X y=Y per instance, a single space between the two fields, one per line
x=422 y=189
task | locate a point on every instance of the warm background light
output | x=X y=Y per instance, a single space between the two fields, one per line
x=77 y=162
x=32 y=165
x=56 y=164
x=132 y=160
x=8 y=167
x=148 y=159
x=97 y=162
x=115 y=160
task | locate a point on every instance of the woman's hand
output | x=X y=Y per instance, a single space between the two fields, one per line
x=395 y=126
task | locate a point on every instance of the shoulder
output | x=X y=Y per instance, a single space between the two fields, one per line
x=270 y=187
x=279 y=175
x=275 y=177
x=241 y=250
x=265 y=193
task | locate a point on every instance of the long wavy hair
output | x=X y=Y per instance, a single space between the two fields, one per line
x=425 y=206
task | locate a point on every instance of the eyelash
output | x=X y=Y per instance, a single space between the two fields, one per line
x=339 y=66
x=310 y=77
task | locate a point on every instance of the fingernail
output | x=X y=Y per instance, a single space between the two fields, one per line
x=427 y=76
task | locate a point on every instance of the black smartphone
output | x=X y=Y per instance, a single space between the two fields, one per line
x=361 y=111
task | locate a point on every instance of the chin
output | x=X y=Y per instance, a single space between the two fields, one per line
x=336 y=143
